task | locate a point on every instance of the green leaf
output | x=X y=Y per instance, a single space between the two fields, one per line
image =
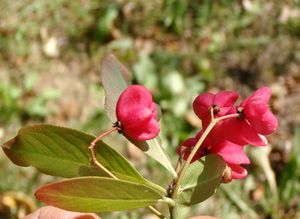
x=201 y=180
x=154 y=149
x=64 y=152
x=157 y=152
x=97 y=194
x=115 y=79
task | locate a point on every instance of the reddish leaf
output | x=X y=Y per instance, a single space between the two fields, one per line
x=115 y=79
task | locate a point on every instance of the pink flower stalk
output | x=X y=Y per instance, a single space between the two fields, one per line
x=232 y=154
x=255 y=120
x=137 y=113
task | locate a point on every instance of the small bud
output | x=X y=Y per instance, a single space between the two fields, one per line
x=227 y=175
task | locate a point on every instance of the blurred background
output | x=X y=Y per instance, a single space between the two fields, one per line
x=50 y=53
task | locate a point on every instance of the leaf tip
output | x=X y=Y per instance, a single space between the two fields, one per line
x=7 y=145
x=41 y=195
x=7 y=148
x=38 y=194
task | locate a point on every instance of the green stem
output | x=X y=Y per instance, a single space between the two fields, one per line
x=188 y=161
x=156 y=212
x=173 y=212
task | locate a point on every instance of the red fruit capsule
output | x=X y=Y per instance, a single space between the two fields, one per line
x=137 y=113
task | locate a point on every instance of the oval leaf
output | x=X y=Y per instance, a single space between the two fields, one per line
x=97 y=194
x=64 y=152
x=115 y=79
x=201 y=180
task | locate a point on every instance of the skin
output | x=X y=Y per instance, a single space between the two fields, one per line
x=49 y=212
